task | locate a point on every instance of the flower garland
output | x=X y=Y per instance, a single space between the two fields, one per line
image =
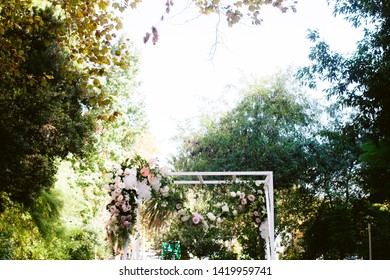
x=243 y=199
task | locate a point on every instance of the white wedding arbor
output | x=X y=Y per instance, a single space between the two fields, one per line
x=264 y=178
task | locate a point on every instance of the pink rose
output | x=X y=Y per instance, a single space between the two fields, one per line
x=113 y=210
x=251 y=197
x=196 y=218
x=145 y=171
x=151 y=178
x=243 y=201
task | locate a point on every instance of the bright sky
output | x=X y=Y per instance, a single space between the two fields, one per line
x=177 y=74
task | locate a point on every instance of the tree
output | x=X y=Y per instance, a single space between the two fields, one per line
x=66 y=220
x=267 y=130
x=321 y=211
x=359 y=81
x=81 y=180
x=89 y=30
x=40 y=122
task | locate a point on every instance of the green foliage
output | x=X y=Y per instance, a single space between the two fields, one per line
x=45 y=212
x=360 y=82
x=81 y=181
x=6 y=247
x=194 y=241
x=22 y=236
x=66 y=222
x=380 y=225
x=87 y=32
x=269 y=129
x=48 y=99
x=238 y=11
x=331 y=235
x=82 y=244
x=82 y=213
x=40 y=123
x=375 y=170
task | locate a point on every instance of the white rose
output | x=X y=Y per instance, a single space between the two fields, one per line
x=164 y=170
x=234 y=212
x=233 y=194
x=165 y=194
x=211 y=216
x=113 y=219
x=219 y=220
x=264 y=229
x=225 y=208
x=185 y=218
x=130 y=182
x=143 y=191
x=127 y=171
x=164 y=191
x=156 y=184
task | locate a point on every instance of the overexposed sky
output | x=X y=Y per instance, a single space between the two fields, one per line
x=183 y=68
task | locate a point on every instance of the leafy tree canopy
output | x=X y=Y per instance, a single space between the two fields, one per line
x=39 y=122
x=267 y=130
x=361 y=81
x=88 y=31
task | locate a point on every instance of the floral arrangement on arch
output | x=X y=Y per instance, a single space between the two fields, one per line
x=229 y=202
x=138 y=182
x=130 y=184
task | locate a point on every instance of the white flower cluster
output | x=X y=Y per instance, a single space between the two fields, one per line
x=183 y=215
x=126 y=190
x=264 y=229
